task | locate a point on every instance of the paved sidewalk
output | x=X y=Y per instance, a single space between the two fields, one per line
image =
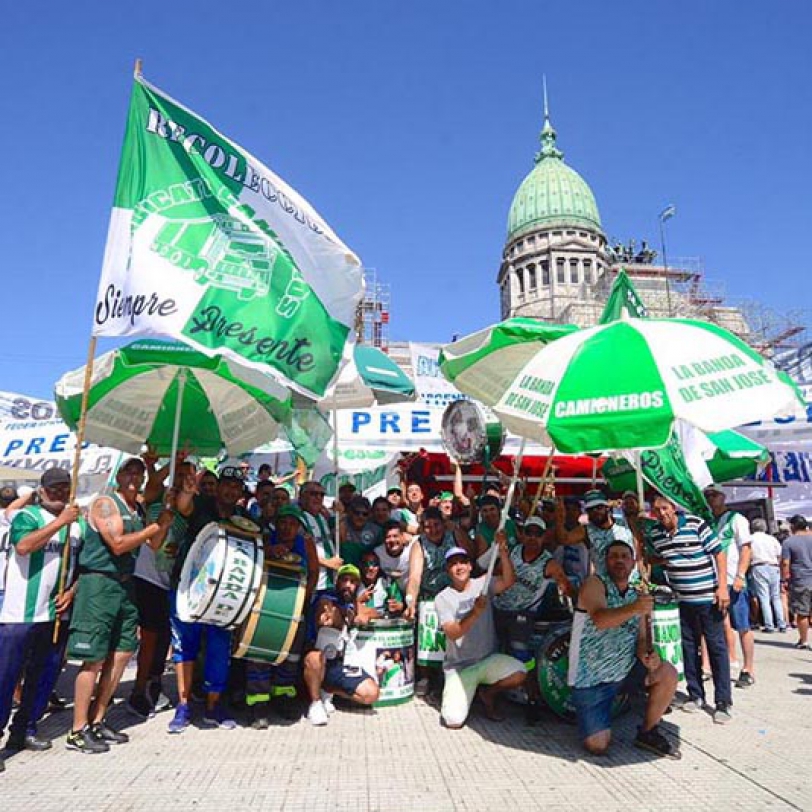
x=401 y=759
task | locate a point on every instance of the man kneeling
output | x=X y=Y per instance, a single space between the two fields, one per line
x=609 y=629
x=471 y=658
x=325 y=672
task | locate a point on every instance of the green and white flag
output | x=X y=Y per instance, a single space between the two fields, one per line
x=623 y=302
x=209 y=246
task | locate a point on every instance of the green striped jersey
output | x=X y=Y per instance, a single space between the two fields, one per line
x=32 y=581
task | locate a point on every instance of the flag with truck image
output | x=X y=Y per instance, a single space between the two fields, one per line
x=207 y=245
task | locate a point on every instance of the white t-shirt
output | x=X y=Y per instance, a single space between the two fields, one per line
x=733 y=531
x=766 y=549
x=390 y=564
x=6 y=518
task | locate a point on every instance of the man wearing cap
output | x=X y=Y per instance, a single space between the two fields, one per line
x=11 y=502
x=358 y=532
x=571 y=549
x=602 y=529
x=696 y=565
x=796 y=572
x=733 y=532
x=428 y=576
x=471 y=658
x=610 y=644
x=187 y=637
x=37 y=537
x=517 y=607
x=104 y=624
x=291 y=547
x=311 y=502
x=325 y=672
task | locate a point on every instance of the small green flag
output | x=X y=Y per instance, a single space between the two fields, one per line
x=623 y=301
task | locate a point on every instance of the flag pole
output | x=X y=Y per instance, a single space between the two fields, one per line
x=543 y=481
x=74 y=479
x=517 y=464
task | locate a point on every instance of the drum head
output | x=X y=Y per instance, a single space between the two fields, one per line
x=201 y=573
x=244 y=525
x=470 y=432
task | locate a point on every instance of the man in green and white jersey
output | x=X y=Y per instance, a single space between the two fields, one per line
x=317 y=525
x=37 y=540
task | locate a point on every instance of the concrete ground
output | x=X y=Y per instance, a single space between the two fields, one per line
x=401 y=759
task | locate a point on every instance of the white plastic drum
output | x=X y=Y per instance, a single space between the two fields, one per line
x=220 y=577
x=471 y=433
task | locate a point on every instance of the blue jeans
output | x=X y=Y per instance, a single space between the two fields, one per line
x=698 y=621
x=27 y=650
x=766 y=580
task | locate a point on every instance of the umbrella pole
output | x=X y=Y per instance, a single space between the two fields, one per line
x=176 y=427
x=74 y=479
x=638 y=469
x=543 y=481
x=337 y=522
x=517 y=464
x=594 y=472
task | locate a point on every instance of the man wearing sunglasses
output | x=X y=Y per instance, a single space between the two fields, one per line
x=358 y=532
x=311 y=502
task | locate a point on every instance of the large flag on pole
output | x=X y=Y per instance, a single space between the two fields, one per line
x=209 y=246
x=623 y=301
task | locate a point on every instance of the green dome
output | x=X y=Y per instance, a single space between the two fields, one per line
x=552 y=194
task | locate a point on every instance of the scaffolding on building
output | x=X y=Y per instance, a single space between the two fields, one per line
x=372 y=315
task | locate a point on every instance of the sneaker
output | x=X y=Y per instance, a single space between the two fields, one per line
x=16 y=744
x=327 y=702
x=217 y=717
x=181 y=720
x=722 y=715
x=260 y=714
x=160 y=701
x=138 y=705
x=532 y=712
x=101 y=731
x=782 y=629
x=56 y=702
x=654 y=741
x=691 y=705
x=316 y=714
x=802 y=646
x=767 y=629
x=745 y=680
x=83 y=741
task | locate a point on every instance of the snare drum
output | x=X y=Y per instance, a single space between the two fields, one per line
x=553 y=668
x=271 y=628
x=221 y=574
x=385 y=649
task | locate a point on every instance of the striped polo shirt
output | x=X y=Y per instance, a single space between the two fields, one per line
x=689 y=557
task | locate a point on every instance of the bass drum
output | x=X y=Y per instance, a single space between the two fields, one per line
x=471 y=433
x=275 y=623
x=221 y=575
x=553 y=664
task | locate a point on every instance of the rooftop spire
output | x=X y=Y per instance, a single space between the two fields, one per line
x=548 y=134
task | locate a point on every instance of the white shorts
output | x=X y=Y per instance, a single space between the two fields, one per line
x=461 y=684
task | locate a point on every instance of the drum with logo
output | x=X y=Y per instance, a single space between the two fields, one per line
x=385 y=649
x=277 y=616
x=666 y=635
x=471 y=433
x=221 y=575
x=553 y=665
x=430 y=637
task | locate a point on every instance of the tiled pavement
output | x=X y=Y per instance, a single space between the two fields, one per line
x=401 y=759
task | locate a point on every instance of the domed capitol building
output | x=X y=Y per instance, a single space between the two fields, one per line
x=558 y=265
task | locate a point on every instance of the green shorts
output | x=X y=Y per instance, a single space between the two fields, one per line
x=104 y=618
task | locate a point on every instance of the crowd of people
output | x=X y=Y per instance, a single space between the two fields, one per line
x=95 y=586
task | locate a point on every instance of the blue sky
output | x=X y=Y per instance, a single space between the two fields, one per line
x=409 y=126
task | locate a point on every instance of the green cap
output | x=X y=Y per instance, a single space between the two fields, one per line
x=349 y=569
x=291 y=510
x=446 y=495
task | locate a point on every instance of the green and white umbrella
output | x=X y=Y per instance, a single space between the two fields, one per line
x=623 y=385
x=161 y=392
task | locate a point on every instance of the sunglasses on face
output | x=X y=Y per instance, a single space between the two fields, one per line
x=369 y=565
x=316 y=493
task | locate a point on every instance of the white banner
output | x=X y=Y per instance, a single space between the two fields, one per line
x=433 y=388
x=14 y=406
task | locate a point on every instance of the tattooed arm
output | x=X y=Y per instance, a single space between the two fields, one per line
x=106 y=518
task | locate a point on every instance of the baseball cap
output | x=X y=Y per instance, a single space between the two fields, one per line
x=290 y=510
x=232 y=472
x=535 y=521
x=349 y=569
x=630 y=493
x=53 y=477
x=714 y=488
x=456 y=552
x=131 y=462
x=394 y=490
x=444 y=495
x=594 y=499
